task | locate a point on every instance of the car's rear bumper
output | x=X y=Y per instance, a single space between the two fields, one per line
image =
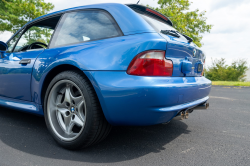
x=136 y=100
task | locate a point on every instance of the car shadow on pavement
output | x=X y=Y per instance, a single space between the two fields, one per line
x=28 y=133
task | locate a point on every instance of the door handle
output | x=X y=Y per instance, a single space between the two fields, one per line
x=25 y=61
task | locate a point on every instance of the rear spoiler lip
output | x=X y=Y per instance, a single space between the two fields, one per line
x=145 y=9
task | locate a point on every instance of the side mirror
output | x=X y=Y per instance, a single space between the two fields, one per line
x=3 y=48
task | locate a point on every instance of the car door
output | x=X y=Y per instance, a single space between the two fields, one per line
x=17 y=63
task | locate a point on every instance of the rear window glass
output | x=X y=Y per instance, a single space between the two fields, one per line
x=156 y=24
x=83 y=26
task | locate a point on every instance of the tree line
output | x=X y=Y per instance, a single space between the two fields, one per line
x=14 y=14
x=220 y=71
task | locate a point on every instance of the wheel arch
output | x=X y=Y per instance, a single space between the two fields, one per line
x=64 y=67
x=51 y=74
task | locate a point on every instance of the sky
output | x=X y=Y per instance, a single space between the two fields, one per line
x=229 y=37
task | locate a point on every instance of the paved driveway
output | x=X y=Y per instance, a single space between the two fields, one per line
x=218 y=136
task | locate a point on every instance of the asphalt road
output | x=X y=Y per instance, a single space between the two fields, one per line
x=218 y=136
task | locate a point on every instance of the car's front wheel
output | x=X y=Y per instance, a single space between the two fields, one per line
x=72 y=111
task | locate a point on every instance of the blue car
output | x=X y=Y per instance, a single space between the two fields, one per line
x=88 y=68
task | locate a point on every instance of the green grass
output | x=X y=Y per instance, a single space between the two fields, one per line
x=230 y=83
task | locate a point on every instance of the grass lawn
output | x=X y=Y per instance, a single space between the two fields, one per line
x=230 y=83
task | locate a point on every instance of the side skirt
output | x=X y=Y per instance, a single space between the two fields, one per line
x=21 y=105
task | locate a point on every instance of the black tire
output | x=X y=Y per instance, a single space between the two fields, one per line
x=96 y=126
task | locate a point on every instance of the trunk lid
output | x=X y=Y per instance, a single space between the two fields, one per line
x=187 y=58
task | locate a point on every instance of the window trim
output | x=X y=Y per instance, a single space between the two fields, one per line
x=62 y=19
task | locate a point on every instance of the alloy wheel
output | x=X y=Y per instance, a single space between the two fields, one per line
x=66 y=110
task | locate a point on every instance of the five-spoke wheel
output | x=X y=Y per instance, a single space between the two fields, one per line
x=72 y=111
x=66 y=110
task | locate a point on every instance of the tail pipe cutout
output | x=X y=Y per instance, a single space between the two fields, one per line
x=185 y=113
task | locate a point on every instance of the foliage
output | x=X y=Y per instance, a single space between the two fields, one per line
x=230 y=83
x=190 y=23
x=219 y=71
x=16 y=13
x=2 y=8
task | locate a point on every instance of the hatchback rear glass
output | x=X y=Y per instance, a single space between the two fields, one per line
x=156 y=24
x=159 y=25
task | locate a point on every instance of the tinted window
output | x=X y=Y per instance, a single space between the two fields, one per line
x=83 y=26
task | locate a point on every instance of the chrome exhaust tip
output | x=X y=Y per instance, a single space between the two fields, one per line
x=183 y=114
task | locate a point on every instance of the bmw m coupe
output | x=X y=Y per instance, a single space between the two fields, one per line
x=87 y=68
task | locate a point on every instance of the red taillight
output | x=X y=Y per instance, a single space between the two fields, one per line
x=151 y=63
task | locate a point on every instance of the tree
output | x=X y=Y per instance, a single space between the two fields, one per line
x=219 y=71
x=190 y=23
x=2 y=8
x=16 y=13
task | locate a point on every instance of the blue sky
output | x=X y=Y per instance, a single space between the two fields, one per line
x=229 y=38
